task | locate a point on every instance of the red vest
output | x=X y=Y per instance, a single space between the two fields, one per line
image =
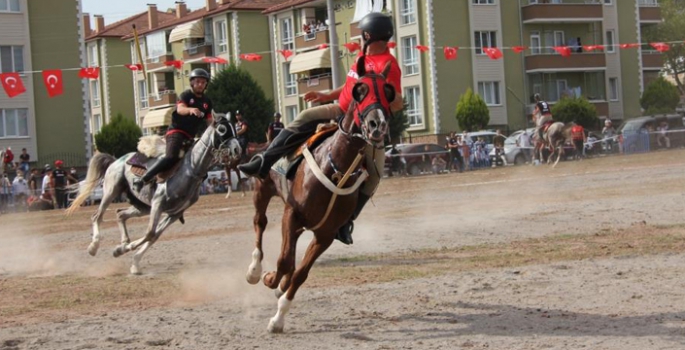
x=577 y=132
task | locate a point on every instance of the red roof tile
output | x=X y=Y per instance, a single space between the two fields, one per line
x=124 y=27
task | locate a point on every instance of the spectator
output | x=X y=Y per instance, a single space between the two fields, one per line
x=466 y=152
x=438 y=164
x=399 y=164
x=662 y=138
x=20 y=189
x=5 y=193
x=72 y=178
x=590 y=144
x=608 y=132
x=523 y=142
x=46 y=189
x=456 y=162
x=241 y=128
x=34 y=179
x=25 y=160
x=60 y=180
x=498 y=143
x=578 y=136
x=9 y=157
x=274 y=128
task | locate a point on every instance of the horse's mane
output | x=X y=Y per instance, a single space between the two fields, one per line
x=151 y=146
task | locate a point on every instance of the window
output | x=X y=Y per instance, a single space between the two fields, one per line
x=93 y=60
x=414 y=105
x=142 y=94
x=613 y=89
x=9 y=5
x=407 y=12
x=562 y=89
x=290 y=80
x=14 y=122
x=287 y=34
x=610 y=41
x=221 y=37
x=483 y=2
x=156 y=44
x=608 y=2
x=410 y=59
x=535 y=43
x=97 y=123
x=484 y=39
x=489 y=91
x=290 y=113
x=559 y=38
x=11 y=59
x=95 y=93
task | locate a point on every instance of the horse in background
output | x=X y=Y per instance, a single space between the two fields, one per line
x=231 y=164
x=553 y=140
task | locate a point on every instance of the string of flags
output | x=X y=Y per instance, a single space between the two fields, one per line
x=52 y=78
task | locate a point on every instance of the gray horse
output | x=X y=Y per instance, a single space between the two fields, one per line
x=170 y=198
x=554 y=139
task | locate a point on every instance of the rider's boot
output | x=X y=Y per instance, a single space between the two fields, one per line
x=286 y=142
x=345 y=232
x=161 y=165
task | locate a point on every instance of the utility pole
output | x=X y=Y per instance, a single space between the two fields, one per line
x=333 y=35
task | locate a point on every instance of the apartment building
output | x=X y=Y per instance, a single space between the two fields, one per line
x=49 y=128
x=612 y=79
x=112 y=93
x=222 y=29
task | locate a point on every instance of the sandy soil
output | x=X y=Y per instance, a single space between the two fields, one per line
x=193 y=294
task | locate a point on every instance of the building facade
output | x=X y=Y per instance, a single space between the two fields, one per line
x=49 y=128
x=611 y=79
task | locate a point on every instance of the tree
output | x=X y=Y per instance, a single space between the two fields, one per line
x=235 y=89
x=472 y=112
x=118 y=137
x=577 y=110
x=671 y=29
x=660 y=97
x=399 y=123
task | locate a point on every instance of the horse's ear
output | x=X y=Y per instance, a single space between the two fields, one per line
x=386 y=70
x=361 y=66
x=389 y=92
x=359 y=92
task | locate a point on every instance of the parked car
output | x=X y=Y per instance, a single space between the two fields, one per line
x=95 y=196
x=418 y=157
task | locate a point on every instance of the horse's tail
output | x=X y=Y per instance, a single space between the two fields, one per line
x=96 y=172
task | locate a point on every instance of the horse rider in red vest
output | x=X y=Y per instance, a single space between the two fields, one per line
x=377 y=29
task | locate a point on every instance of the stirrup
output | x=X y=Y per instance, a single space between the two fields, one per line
x=344 y=234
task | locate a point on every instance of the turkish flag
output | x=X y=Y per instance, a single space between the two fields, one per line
x=518 y=49
x=493 y=52
x=134 y=67
x=629 y=46
x=422 y=48
x=250 y=57
x=286 y=53
x=53 y=82
x=564 y=51
x=178 y=64
x=12 y=84
x=323 y=46
x=450 y=53
x=215 y=60
x=352 y=47
x=392 y=44
x=590 y=48
x=661 y=47
x=89 y=73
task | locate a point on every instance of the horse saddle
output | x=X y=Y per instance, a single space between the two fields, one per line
x=546 y=125
x=287 y=165
x=140 y=162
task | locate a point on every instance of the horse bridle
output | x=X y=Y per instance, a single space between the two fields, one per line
x=360 y=115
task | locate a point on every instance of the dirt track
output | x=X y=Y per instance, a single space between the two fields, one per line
x=588 y=255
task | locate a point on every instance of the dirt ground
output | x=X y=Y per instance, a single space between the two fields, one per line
x=587 y=255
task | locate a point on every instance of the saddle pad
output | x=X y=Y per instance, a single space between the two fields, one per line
x=285 y=166
x=323 y=132
x=138 y=160
x=138 y=170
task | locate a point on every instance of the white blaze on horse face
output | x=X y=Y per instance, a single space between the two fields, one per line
x=376 y=126
x=277 y=323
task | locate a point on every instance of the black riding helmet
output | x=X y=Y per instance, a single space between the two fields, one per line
x=378 y=25
x=199 y=73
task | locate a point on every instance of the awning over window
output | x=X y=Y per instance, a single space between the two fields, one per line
x=158 y=117
x=304 y=62
x=194 y=29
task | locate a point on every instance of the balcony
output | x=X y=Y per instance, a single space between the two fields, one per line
x=318 y=83
x=650 y=12
x=197 y=52
x=157 y=63
x=163 y=98
x=563 y=11
x=312 y=40
x=652 y=60
x=555 y=62
x=354 y=30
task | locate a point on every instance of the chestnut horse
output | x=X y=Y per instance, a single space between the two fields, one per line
x=231 y=164
x=312 y=200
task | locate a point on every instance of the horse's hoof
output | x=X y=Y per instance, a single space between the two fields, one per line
x=275 y=327
x=268 y=278
x=118 y=251
x=93 y=248
x=135 y=270
x=252 y=278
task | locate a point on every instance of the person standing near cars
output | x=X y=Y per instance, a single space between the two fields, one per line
x=274 y=128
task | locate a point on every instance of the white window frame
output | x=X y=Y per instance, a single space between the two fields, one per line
x=490 y=92
x=484 y=39
x=414 y=110
x=221 y=35
x=407 y=12
x=17 y=64
x=97 y=123
x=559 y=38
x=290 y=113
x=143 y=95
x=15 y=113
x=290 y=80
x=93 y=58
x=287 y=34
x=610 y=37
x=156 y=44
x=12 y=6
x=535 y=49
x=613 y=89
x=410 y=56
x=95 y=92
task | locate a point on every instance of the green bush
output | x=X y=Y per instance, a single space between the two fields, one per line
x=118 y=137
x=576 y=109
x=399 y=123
x=660 y=97
x=235 y=89
x=472 y=112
